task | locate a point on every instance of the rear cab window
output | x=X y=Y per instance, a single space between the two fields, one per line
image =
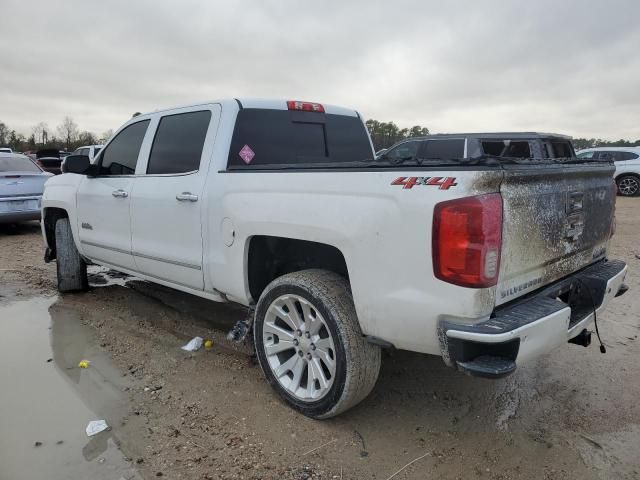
x=266 y=137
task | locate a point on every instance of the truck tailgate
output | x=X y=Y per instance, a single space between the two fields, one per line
x=557 y=220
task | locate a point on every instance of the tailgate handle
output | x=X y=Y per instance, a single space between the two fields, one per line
x=574 y=202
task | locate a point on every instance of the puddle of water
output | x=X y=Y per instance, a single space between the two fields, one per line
x=52 y=402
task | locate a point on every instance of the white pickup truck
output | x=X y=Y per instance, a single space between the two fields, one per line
x=281 y=207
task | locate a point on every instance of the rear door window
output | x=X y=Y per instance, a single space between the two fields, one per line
x=510 y=148
x=605 y=155
x=177 y=146
x=282 y=137
x=562 y=149
x=121 y=155
x=626 y=156
x=442 y=149
x=587 y=155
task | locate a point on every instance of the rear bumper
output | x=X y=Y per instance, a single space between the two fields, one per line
x=21 y=216
x=534 y=325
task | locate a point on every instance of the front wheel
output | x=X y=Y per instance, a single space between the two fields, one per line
x=71 y=268
x=628 y=185
x=310 y=346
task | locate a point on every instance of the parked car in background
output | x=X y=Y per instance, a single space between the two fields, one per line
x=89 y=150
x=627 y=162
x=5 y=150
x=49 y=160
x=21 y=186
x=381 y=152
x=477 y=145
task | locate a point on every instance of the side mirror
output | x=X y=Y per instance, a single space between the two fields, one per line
x=79 y=164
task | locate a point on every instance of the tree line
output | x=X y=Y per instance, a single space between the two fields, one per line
x=580 y=143
x=66 y=136
x=385 y=134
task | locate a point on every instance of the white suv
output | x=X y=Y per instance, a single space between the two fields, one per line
x=627 y=161
x=90 y=151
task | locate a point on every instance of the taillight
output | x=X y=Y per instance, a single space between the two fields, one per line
x=467 y=239
x=305 y=106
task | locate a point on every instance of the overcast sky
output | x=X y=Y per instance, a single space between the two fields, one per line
x=563 y=66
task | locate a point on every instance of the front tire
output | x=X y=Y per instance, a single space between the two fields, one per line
x=310 y=346
x=71 y=268
x=628 y=185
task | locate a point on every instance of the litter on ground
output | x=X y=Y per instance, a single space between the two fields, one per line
x=95 y=427
x=84 y=364
x=193 y=345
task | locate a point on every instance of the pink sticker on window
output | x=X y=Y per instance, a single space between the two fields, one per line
x=247 y=154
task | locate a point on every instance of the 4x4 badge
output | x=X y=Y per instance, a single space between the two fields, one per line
x=409 y=182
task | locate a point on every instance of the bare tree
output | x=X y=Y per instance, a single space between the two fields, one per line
x=41 y=132
x=86 y=138
x=4 y=132
x=106 y=136
x=68 y=131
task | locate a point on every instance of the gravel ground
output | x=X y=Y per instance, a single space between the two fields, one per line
x=207 y=415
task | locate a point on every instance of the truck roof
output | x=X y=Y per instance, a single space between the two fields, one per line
x=266 y=103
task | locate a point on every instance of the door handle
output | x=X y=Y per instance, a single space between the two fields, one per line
x=187 y=197
x=120 y=193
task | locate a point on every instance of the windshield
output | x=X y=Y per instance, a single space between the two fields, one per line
x=17 y=163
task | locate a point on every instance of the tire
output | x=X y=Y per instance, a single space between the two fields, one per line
x=72 y=269
x=628 y=185
x=324 y=298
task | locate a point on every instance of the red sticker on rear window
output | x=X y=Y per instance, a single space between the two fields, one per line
x=247 y=154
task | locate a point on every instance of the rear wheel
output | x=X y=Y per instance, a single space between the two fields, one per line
x=628 y=185
x=310 y=346
x=72 y=269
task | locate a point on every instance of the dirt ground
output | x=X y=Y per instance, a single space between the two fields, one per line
x=573 y=414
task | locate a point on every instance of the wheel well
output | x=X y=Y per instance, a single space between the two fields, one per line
x=271 y=257
x=627 y=174
x=51 y=216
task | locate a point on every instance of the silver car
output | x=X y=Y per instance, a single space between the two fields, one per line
x=21 y=185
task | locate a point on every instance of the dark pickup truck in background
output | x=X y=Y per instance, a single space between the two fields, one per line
x=49 y=160
x=477 y=145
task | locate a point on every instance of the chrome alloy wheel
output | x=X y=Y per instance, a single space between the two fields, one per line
x=629 y=186
x=299 y=348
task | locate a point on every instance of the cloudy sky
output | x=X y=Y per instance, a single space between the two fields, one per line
x=564 y=66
